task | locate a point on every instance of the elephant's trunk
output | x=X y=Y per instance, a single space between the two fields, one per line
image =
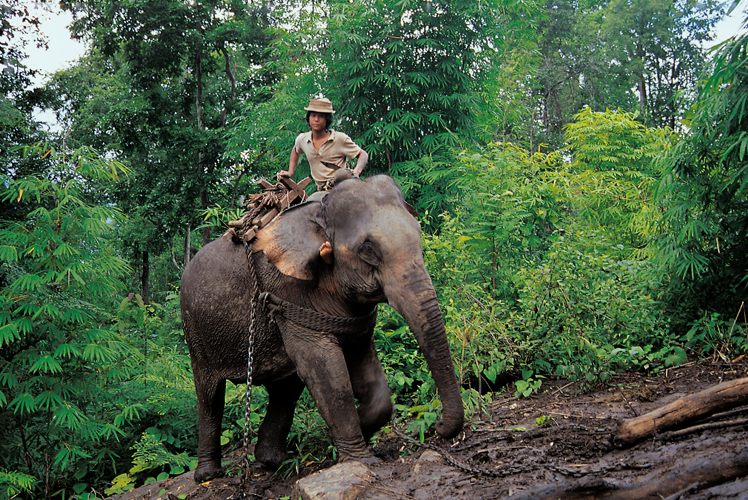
x=419 y=307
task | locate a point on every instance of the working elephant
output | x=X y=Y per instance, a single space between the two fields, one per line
x=335 y=260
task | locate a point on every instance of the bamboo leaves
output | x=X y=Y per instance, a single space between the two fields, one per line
x=703 y=230
x=55 y=265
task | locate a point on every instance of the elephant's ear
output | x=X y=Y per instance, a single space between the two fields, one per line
x=292 y=241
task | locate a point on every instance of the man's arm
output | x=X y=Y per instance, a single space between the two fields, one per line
x=363 y=158
x=292 y=162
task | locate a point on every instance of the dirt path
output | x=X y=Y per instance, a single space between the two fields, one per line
x=571 y=452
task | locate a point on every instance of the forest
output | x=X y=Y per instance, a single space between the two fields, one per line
x=578 y=167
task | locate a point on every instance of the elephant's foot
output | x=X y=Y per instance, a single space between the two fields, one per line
x=374 y=416
x=366 y=458
x=270 y=457
x=207 y=471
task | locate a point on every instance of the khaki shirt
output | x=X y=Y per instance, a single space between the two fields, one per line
x=335 y=150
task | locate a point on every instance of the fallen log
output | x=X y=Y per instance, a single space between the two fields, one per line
x=693 y=407
x=717 y=470
x=704 y=427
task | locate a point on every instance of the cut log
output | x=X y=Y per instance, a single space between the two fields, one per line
x=717 y=470
x=264 y=219
x=273 y=199
x=295 y=191
x=688 y=409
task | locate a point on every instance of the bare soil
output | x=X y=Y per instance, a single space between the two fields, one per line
x=572 y=452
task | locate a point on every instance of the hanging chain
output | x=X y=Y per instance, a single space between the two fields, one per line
x=252 y=329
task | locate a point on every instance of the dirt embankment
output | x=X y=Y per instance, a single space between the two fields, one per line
x=557 y=444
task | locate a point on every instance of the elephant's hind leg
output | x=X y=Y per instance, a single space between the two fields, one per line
x=271 y=437
x=370 y=388
x=210 y=402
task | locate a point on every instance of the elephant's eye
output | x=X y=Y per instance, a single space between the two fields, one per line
x=368 y=254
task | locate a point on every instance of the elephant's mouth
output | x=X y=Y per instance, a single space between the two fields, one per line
x=368 y=290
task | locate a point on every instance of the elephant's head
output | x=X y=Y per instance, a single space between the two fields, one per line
x=363 y=239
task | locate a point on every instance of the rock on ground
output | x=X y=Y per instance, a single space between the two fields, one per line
x=345 y=481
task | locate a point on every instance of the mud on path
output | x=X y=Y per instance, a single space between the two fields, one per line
x=573 y=451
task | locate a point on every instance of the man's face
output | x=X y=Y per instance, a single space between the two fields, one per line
x=317 y=121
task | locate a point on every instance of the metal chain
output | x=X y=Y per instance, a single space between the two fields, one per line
x=247 y=408
x=254 y=304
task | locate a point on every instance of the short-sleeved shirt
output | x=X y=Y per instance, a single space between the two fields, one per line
x=335 y=150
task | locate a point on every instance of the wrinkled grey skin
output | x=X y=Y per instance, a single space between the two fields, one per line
x=376 y=257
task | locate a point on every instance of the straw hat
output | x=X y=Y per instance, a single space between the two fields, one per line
x=321 y=105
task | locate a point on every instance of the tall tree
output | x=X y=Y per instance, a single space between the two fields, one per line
x=411 y=73
x=640 y=56
x=184 y=64
x=703 y=232
x=657 y=47
x=571 y=68
x=18 y=28
x=158 y=89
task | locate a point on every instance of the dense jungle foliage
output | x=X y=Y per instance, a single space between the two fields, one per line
x=579 y=168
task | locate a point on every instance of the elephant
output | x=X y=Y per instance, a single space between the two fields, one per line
x=331 y=259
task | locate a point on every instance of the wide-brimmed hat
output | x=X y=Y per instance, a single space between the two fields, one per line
x=321 y=105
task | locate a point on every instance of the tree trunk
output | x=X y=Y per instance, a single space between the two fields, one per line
x=200 y=127
x=717 y=470
x=694 y=407
x=231 y=74
x=642 y=83
x=204 y=205
x=187 y=246
x=144 y=278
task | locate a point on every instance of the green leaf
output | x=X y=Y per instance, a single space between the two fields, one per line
x=48 y=400
x=50 y=310
x=28 y=283
x=8 y=253
x=677 y=357
x=70 y=416
x=96 y=352
x=46 y=364
x=8 y=334
x=23 y=403
x=67 y=351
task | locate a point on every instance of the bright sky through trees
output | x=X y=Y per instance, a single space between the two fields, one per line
x=64 y=51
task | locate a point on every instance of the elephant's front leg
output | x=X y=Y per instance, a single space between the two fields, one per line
x=321 y=365
x=370 y=388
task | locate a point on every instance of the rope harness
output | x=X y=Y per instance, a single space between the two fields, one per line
x=300 y=320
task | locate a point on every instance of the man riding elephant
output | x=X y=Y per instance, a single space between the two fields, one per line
x=326 y=150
